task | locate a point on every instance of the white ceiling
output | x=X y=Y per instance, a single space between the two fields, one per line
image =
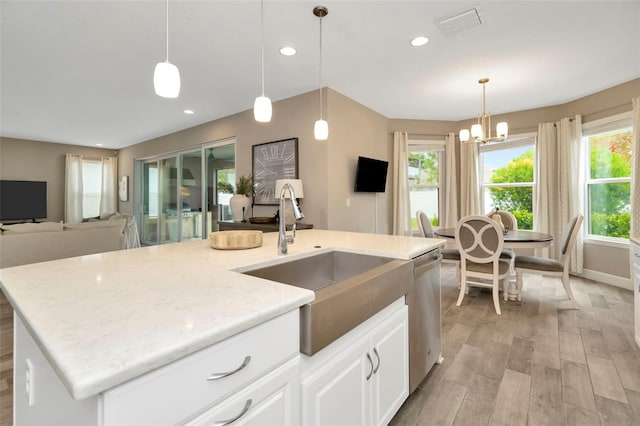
x=81 y=72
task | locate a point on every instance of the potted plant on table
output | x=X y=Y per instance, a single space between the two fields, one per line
x=241 y=202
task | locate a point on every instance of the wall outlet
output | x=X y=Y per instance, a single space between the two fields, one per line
x=348 y=202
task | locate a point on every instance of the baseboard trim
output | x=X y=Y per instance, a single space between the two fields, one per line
x=613 y=280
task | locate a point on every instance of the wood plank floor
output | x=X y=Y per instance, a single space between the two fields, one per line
x=539 y=363
x=6 y=362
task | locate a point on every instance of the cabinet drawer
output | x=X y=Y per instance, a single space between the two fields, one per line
x=272 y=400
x=175 y=392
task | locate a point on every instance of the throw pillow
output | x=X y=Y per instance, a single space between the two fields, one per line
x=22 y=228
x=120 y=223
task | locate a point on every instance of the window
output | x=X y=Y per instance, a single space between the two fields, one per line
x=608 y=179
x=91 y=187
x=507 y=178
x=426 y=170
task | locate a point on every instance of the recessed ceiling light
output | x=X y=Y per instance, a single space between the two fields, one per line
x=98 y=144
x=288 y=51
x=188 y=111
x=419 y=41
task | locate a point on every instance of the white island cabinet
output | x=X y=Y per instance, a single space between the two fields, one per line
x=141 y=337
x=363 y=377
x=246 y=378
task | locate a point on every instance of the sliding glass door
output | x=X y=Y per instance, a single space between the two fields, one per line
x=184 y=194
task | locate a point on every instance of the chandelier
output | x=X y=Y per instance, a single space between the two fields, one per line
x=481 y=132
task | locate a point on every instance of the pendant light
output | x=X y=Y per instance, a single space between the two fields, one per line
x=166 y=77
x=262 y=106
x=321 y=127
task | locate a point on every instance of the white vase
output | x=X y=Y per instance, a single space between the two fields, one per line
x=237 y=202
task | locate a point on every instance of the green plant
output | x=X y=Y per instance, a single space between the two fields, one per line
x=225 y=188
x=244 y=185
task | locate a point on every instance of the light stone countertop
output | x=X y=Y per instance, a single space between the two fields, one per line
x=106 y=318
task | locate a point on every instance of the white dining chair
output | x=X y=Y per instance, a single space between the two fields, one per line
x=510 y=223
x=480 y=241
x=551 y=267
x=448 y=255
x=508 y=219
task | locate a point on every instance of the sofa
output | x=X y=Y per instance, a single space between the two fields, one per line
x=21 y=244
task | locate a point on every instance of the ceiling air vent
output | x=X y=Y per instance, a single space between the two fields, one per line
x=459 y=22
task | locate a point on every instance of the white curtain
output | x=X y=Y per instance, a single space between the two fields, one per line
x=571 y=172
x=450 y=219
x=401 y=204
x=73 y=189
x=544 y=206
x=469 y=186
x=560 y=177
x=635 y=171
x=109 y=188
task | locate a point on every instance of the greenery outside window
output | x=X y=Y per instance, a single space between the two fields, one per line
x=426 y=177
x=608 y=180
x=507 y=177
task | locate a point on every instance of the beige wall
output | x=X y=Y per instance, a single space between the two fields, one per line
x=355 y=130
x=292 y=117
x=43 y=161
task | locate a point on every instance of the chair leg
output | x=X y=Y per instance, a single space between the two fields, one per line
x=567 y=288
x=496 y=295
x=505 y=288
x=519 y=284
x=463 y=288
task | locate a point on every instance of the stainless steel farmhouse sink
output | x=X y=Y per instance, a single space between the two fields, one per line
x=349 y=288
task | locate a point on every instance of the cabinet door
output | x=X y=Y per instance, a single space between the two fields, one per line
x=390 y=353
x=338 y=394
x=272 y=400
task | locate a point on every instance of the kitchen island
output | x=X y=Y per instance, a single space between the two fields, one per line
x=106 y=319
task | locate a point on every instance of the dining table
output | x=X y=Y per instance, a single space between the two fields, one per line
x=513 y=239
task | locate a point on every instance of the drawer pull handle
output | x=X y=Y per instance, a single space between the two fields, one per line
x=216 y=376
x=375 y=370
x=370 y=362
x=247 y=405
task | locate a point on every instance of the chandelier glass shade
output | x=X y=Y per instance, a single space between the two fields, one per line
x=481 y=132
x=262 y=106
x=166 y=77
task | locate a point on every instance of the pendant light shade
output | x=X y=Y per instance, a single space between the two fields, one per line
x=166 y=77
x=262 y=106
x=321 y=130
x=166 y=80
x=262 y=109
x=321 y=127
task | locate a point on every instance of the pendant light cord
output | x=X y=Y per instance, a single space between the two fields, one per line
x=167 y=31
x=262 y=42
x=320 y=72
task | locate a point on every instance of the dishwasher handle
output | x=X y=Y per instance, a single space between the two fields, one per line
x=422 y=264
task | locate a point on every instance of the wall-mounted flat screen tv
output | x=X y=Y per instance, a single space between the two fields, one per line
x=371 y=175
x=23 y=200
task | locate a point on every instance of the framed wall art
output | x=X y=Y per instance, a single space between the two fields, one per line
x=271 y=161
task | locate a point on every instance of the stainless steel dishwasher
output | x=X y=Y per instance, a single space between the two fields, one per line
x=425 y=320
